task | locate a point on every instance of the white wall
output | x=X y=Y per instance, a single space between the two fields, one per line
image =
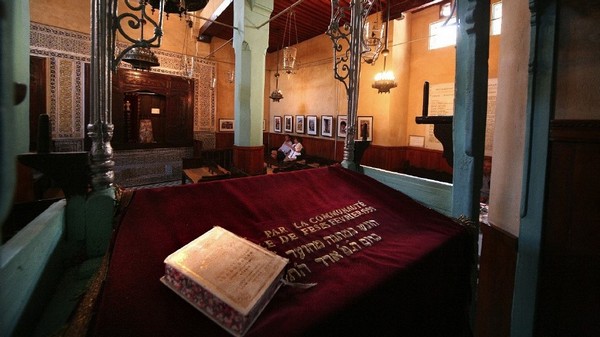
x=507 y=167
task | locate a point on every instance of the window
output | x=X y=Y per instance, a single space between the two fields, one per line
x=442 y=33
x=496 y=19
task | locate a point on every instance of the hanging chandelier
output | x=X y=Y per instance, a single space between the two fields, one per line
x=289 y=52
x=385 y=80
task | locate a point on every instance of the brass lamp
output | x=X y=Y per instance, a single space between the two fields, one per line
x=141 y=58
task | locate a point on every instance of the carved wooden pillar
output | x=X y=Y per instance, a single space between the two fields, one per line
x=470 y=105
x=470 y=110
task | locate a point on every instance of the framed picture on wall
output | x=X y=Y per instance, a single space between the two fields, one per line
x=327 y=126
x=300 y=124
x=277 y=123
x=225 y=125
x=365 y=128
x=342 y=123
x=288 y=123
x=311 y=125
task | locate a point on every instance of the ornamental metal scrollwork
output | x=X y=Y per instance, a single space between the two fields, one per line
x=339 y=31
x=345 y=30
x=136 y=23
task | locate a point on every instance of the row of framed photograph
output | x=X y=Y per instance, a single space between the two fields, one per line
x=310 y=125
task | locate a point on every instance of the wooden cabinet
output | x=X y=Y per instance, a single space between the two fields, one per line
x=152 y=110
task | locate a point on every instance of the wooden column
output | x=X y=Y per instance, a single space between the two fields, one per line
x=470 y=105
x=249 y=159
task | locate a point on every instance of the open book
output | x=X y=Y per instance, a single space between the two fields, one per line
x=226 y=277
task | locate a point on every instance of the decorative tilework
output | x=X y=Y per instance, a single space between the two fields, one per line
x=56 y=42
x=208 y=139
x=65 y=102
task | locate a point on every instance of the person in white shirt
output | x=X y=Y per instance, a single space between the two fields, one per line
x=286 y=147
x=296 y=150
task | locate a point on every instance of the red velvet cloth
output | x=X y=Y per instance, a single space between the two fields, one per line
x=413 y=281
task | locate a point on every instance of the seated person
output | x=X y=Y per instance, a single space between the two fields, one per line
x=273 y=158
x=296 y=150
x=285 y=148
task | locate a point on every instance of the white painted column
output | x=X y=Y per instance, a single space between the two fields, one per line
x=250 y=45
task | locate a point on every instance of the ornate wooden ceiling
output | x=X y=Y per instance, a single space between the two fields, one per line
x=312 y=19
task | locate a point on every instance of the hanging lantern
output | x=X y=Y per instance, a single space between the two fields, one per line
x=289 y=59
x=276 y=95
x=289 y=64
x=372 y=41
x=188 y=63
